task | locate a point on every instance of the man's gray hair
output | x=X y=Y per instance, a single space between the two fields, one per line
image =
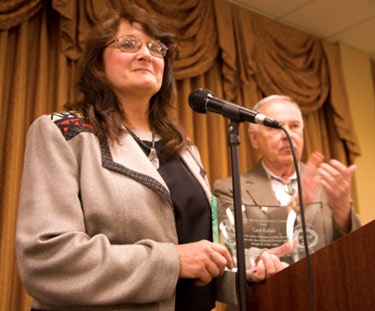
x=257 y=107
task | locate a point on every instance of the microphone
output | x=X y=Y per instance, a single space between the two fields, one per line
x=202 y=100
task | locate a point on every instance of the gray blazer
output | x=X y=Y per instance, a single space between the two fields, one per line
x=95 y=227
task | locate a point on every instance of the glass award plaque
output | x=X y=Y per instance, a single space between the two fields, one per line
x=267 y=227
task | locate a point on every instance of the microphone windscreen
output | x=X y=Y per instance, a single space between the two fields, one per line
x=197 y=99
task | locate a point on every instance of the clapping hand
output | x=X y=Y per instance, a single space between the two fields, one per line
x=336 y=180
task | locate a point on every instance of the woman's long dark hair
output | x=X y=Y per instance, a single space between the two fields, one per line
x=101 y=107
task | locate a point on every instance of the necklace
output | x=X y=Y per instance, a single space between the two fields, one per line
x=152 y=154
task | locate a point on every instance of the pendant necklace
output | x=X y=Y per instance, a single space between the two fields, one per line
x=152 y=154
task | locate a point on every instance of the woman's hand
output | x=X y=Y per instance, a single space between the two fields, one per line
x=268 y=263
x=203 y=261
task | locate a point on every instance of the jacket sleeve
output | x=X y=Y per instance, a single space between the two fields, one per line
x=354 y=224
x=59 y=263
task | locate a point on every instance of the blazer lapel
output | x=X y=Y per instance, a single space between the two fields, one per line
x=192 y=160
x=127 y=158
x=259 y=192
x=257 y=188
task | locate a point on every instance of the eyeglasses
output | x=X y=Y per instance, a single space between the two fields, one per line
x=130 y=44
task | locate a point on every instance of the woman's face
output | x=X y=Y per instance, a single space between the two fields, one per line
x=133 y=73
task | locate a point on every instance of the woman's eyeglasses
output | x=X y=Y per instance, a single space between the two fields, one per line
x=130 y=44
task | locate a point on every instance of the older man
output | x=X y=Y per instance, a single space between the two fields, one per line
x=273 y=181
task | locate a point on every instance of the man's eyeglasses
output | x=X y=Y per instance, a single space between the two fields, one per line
x=130 y=44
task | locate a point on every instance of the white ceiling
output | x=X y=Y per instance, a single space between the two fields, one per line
x=349 y=21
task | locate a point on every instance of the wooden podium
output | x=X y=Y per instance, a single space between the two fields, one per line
x=343 y=275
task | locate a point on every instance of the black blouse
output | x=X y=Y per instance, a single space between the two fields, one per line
x=192 y=213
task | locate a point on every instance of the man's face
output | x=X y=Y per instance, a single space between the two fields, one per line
x=273 y=143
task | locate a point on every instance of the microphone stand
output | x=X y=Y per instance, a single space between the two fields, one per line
x=233 y=142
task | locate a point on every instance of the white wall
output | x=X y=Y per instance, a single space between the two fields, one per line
x=360 y=89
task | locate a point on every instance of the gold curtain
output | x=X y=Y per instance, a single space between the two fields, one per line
x=262 y=57
x=237 y=54
x=29 y=62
